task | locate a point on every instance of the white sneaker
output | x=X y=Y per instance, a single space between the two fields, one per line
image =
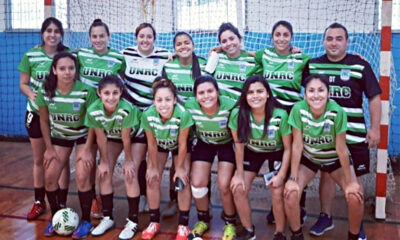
x=129 y=230
x=143 y=206
x=105 y=224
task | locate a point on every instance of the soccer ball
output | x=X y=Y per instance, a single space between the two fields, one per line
x=65 y=221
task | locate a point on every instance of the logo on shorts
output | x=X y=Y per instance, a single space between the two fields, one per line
x=222 y=123
x=361 y=167
x=327 y=127
x=291 y=65
x=345 y=74
x=76 y=106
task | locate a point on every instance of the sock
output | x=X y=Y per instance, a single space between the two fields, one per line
x=183 y=218
x=352 y=236
x=62 y=197
x=107 y=204
x=85 y=199
x=39 y=194
x=142 y=177
x=94 y=191
x=53 y=201
x=229 y=219
x=133 y=204
x=155 y=215
x=203 y=216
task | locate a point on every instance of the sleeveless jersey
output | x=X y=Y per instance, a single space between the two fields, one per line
x=67 y=112
x=319 y=135
x=182 y=77
x=272 y=140
x=140 y=73
x=166 y=133
x=230 y=73
x=94 y=66
x=125 y=116
x=283 y=73
x=348 y=80
x=212 y=129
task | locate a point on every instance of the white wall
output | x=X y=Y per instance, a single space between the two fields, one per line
x=2 y=15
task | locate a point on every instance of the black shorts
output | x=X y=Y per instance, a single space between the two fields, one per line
x=253 y=161
x=114 y=140
x=32 y=124
x=328 y=167
x=206 y=152
x=175 y=151
x=68 y=143
x=360 y=156
x=139 y=137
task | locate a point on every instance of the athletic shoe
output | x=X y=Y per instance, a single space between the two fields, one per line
x=279 y=236
x=151 y=230
x=183 y=232
x=96 y=211
x=199 y=229
x=37 y=209
x=143 y=206
x=246 y=235
x=229 y=232
x=297 y=237
x=129 y=230
x=49 y=231
x=170 y=210
x=361 y=234
x=105 y=224
x=83 y=230
x=323 y=224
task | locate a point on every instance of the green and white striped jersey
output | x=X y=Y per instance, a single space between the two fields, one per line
x=166 y=133
x=348 y=80
x=319 y=135
x=35 y=63
x=140 y=73
x=212 y=129
x=67 y=112
x=278 y=127
x=283 y=73
x=125 y=116
x=230 y=73
x=94 y=66
x=182 y=77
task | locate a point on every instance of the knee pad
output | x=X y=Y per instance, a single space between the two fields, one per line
x=199 y=192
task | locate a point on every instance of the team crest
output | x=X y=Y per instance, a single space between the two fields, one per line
x=222 y=123
x=271 y=133
x=291 y=65
x=345 y=74
x=242 y=68
x=110 y=64
x=173 y=132
x=327 y=127
x=156 y=61
x=76 y=106
x=119 y=120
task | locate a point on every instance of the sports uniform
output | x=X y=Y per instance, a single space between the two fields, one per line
x=125 y=116
x=182 y=77
x=213 y=135
x=166 y=133
x=283 y=73
x=319 y=135
x=140 y=73
x=230 y=73
x=67 y=113
x=260 y=147
x=349 y=78
x=94 y=66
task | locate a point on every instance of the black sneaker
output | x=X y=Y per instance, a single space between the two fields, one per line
x=246 y=235
x=297 y=236
x=279 y=236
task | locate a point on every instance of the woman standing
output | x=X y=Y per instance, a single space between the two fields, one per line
x=34 y=67
x=319 y=143
x=260 y=132
x=65 y=101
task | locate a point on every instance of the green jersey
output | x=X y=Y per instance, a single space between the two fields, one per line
x=182 y=77
x=67 y=112
x=230 y=73
x=348 y=80
x=125 y=116
x=94 y=66
x=212 y=129
x=283 y=73
x=166 y=133
x=36 y=63
x=319 y=135
x=278 y=127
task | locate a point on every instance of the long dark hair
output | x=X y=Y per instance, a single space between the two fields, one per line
x=195 y=60
x=50 y=84
x=46 y=23
x=244 y=122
